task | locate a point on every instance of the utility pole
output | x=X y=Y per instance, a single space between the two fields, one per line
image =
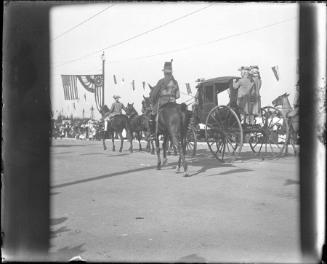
x=103 y=64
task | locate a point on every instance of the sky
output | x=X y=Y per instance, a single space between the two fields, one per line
x=205 y=40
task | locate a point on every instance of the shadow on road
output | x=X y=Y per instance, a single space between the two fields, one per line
x=290 y=182
x=66 y=253
x=194 y=258
x=54 y=233
x=57 y=221
x=68 y=146
x=104 y=176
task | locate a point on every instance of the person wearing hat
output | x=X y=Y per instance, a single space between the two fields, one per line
x=255 y=98
x=166 y=90
x=244 y=86
x=116 y=107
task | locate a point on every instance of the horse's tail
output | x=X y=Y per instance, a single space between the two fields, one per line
x=186 y=117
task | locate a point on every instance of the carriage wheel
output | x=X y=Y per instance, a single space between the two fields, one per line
x=271 y=136
x=223 y=133
x=191 y=142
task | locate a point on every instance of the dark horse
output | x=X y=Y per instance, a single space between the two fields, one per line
x=116 y=125
x=138 y=124
x=172 y=122
x=146 y=111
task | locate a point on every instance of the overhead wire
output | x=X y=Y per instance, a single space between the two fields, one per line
x=203 y=43
x=135 y=36
x=81 y=23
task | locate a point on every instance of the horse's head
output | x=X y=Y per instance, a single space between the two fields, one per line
x=280 y=100
x=146 y=104
x=130 y=110
x=104 y=109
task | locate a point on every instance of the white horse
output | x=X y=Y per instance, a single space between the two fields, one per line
x=292 y=116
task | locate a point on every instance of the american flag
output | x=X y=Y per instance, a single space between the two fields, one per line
x=70 y=87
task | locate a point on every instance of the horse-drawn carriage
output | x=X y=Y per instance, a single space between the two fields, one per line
x=226 y=131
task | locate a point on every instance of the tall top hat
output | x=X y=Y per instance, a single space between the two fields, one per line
x=168 y=66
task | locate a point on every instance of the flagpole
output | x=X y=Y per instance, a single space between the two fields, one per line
x=103 y=62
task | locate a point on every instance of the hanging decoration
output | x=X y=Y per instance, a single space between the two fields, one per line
x=276 y=72
x=133 y=85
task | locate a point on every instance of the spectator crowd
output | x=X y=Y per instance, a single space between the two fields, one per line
x=84 y=129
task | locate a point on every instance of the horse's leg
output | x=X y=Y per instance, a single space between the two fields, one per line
x=152 y=146
x=181 y=158
x=121 y=141
x=104 y=139
x=158 y=153
x=183 y=143
x=164 y=149
x=175 y=150
x=130 y=141
x=139 y=137
x=113 y=141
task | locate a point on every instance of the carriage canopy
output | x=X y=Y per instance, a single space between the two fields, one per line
x=207 y=91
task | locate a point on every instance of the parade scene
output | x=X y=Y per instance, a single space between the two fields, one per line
x=175 y=132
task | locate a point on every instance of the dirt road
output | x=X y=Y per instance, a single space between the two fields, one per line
x=111 y=206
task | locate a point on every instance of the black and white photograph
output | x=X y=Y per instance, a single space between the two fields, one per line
x=174 y=133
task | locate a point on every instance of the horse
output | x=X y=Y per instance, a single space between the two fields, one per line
x=172 y=122
x=146 y=111
x=293 y=119
x=138 y=124
x=116 y=125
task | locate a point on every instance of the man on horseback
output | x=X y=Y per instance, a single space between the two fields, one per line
x=116 y=109
x=166 y=90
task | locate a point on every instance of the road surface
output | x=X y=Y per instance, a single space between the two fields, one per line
x=111 y=206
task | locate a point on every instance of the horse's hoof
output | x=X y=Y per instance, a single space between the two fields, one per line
x=120 y=150
x=187 y=175
x=178 y=169
x=164 y=162
x=104 y=148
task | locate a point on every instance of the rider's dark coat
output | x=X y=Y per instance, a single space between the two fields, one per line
x=166 y=90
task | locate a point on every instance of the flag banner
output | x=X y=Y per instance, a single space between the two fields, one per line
x=276 y=72
x=70 y=87
x=133 y=85
x=188 y=88
x=98 y=97
x=143 y=83
x=90 y=82
x=115 y=80
x=93 y=84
